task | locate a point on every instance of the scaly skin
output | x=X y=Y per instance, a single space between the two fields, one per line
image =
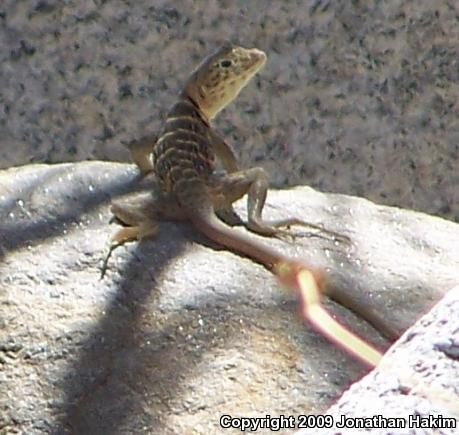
x=184 y=165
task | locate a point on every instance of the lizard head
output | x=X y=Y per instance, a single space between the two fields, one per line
x=220 y=77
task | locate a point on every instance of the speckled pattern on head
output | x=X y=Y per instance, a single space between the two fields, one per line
x=220 y=77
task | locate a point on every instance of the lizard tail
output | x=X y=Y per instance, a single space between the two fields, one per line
x=211 y=226
x=216 y=230
x=201 y=213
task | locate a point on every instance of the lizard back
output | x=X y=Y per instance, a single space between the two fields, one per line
x=183 y=156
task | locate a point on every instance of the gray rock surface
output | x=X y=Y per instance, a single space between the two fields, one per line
x=357 y=97
x=179 y=332
x=418 y=377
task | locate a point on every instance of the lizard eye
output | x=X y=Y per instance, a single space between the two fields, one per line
x=225 y=63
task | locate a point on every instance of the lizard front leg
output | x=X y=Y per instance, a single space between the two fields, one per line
x=227 y=188
x=223 y=151
x=141 y=152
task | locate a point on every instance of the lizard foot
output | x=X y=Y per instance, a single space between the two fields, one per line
x=128 y=234
x=275 y=229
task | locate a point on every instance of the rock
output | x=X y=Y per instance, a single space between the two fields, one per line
x=180 y=332
x=416 y=382
x=356 y=97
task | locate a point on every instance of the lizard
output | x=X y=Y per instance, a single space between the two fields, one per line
x=183 y=161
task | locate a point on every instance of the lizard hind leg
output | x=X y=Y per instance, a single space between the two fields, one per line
x=137 y=214
x=228 y=188
x=133 y=233
x=129 y=234
x=274 y=228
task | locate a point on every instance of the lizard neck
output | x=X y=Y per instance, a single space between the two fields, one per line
x=185 y=96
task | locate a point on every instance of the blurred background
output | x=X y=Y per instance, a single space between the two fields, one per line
x=357 y=97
